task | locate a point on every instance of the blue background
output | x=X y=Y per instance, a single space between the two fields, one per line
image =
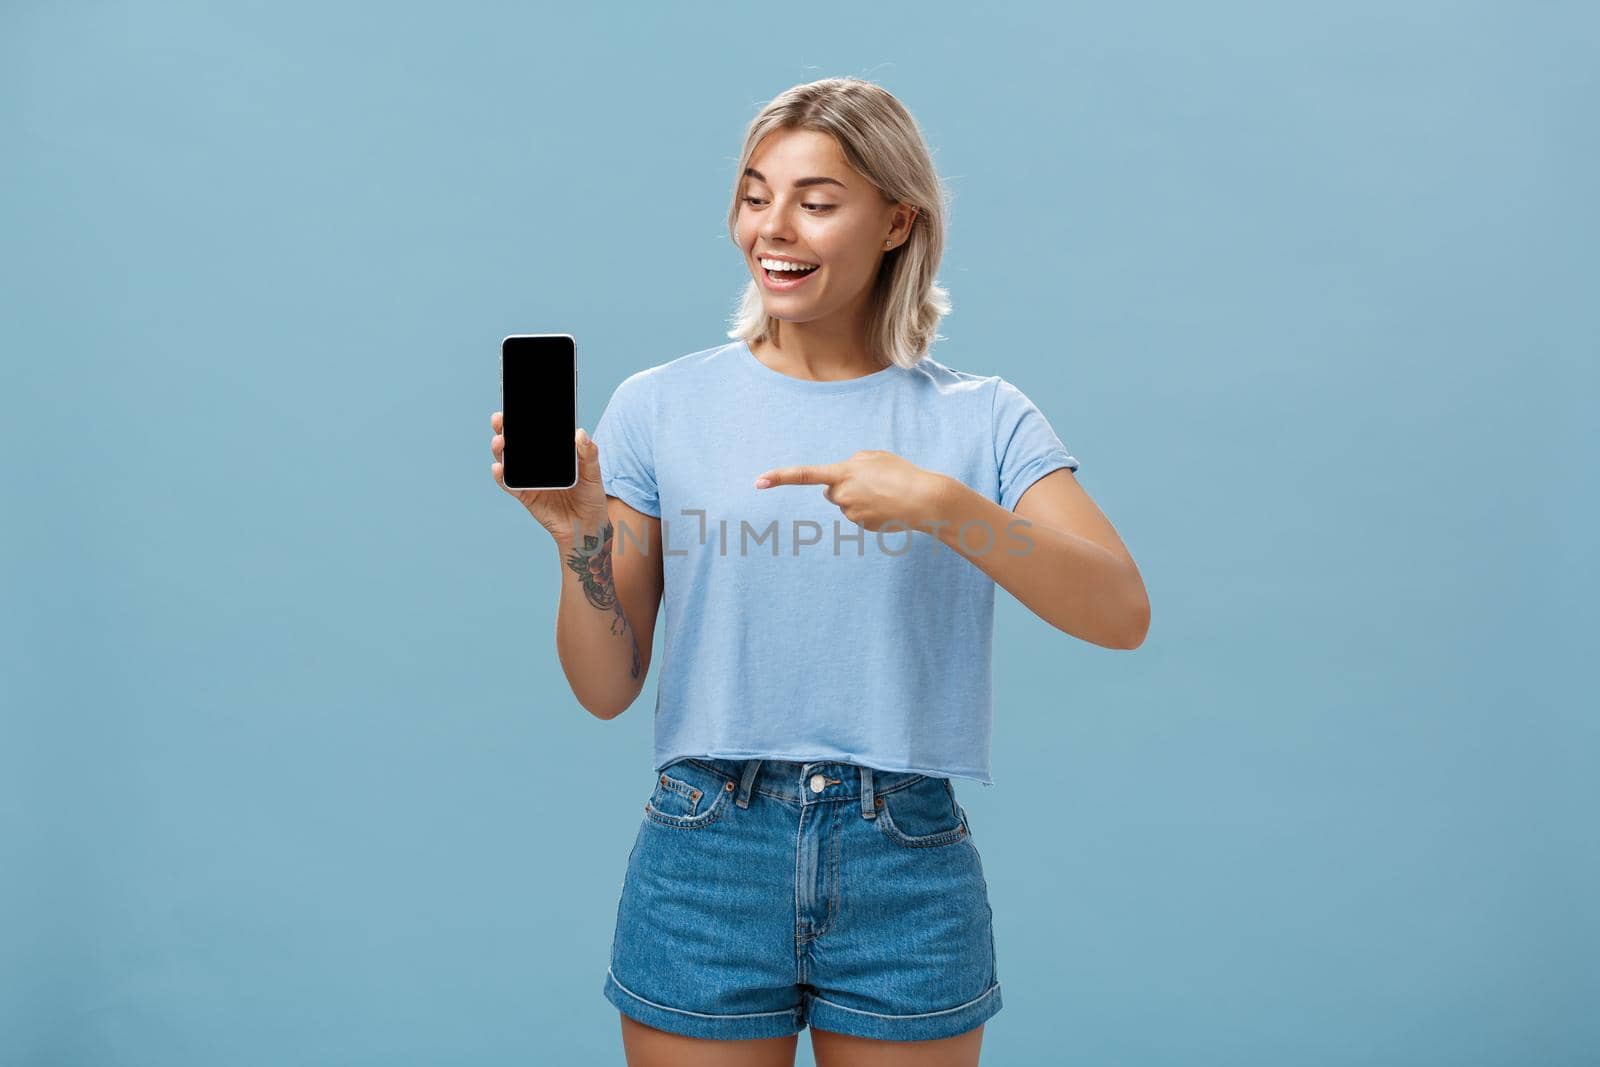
x=290 y=770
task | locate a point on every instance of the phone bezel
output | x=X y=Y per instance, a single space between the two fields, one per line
x=540 y=336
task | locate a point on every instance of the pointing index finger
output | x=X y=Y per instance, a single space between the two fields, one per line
x=802 y=474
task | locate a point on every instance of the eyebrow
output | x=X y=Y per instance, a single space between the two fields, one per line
x=751 y=172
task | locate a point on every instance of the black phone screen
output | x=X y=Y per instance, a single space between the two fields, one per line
x=539 y=411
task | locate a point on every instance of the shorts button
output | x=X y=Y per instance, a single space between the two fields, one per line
x=817 y=782
x=727 y=786
x=877 y=802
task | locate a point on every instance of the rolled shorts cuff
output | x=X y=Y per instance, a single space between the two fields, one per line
x=824 y=1014
x=701 y=1024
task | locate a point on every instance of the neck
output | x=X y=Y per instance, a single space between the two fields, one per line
x=819 y=351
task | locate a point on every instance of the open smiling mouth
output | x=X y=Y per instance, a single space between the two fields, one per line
x=784 y=280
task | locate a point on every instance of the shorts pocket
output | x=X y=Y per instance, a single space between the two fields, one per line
x=687 y=796
x=923 y=814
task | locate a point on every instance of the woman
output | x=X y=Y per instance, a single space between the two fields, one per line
x=824 y=511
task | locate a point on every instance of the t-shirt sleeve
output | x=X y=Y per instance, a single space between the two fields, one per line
x=1026 y=448
x=625 y=435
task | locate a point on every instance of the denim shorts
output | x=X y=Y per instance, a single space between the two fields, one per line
x=762 y=896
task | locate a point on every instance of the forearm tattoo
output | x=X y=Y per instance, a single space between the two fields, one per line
x=591 y=561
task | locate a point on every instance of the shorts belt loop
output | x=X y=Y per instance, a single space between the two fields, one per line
x=745 y=783
x=868 y=809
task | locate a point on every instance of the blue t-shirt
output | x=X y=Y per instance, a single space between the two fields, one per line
x=788 y=631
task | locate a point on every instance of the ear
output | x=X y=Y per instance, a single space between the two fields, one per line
x=904 y=215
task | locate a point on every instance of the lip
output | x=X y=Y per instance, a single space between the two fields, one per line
x=784 y=287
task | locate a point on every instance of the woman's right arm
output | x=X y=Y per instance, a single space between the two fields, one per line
x=611 y=580
x=606 y=619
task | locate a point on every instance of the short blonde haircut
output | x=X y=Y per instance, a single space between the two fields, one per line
x=881 y=140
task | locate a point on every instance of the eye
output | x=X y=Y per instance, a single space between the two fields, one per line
x=821 y=208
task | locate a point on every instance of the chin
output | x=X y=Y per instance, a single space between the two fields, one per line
x=802 y=315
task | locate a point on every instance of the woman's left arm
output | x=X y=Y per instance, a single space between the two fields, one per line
x=1056 y=553
x=1064 y=561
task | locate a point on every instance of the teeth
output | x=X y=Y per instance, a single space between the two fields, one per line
x=783 y=264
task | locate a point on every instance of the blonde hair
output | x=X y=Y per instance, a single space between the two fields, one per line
x=881 y=140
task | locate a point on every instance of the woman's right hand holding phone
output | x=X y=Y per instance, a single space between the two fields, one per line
x=567 y=513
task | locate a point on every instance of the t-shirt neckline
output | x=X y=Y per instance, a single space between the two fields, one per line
x=802 y=385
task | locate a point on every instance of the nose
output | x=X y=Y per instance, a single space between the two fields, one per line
x=776 y=225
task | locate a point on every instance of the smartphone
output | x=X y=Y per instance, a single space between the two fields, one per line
x=539 y=411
